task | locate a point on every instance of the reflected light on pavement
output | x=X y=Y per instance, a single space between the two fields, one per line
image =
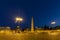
x=53 y=33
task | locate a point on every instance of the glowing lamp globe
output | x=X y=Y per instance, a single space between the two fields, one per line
x=53 y=22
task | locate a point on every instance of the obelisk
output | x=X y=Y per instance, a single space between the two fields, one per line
x=32 y=25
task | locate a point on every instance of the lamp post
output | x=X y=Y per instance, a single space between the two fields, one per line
x=18 y=20
x=53 y=23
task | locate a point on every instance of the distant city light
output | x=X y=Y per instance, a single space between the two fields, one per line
x=53 y=22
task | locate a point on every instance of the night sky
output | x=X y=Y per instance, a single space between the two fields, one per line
x=43 y=11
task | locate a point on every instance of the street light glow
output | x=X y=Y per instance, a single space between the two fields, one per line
x=53 y=22
x=18 y=19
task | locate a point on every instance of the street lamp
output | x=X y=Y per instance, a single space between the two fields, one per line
x=18 y=20
x=53 y=23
